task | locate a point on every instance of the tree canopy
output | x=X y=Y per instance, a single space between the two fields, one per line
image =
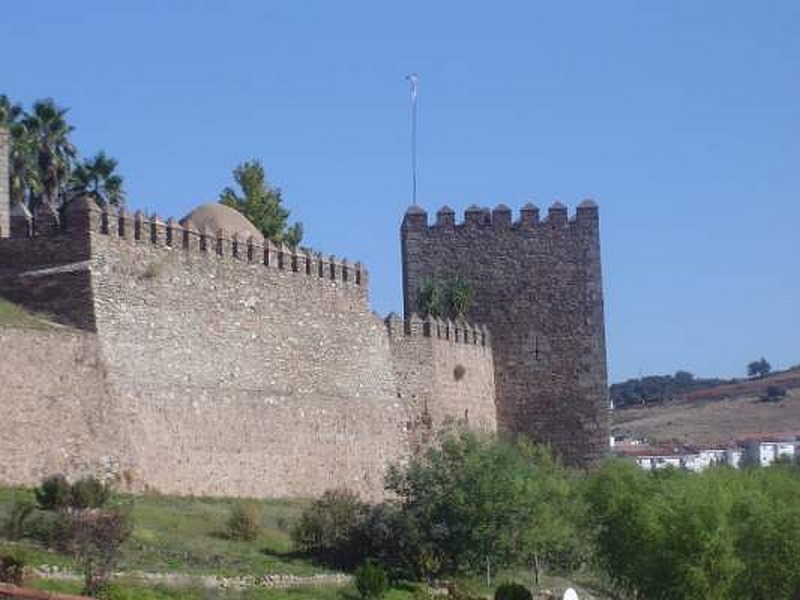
x=43 y=162
x=758 y=368
x=262 y=204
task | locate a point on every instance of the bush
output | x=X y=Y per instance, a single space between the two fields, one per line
x=512 y=591
x=54 y=493
x=371 y=580
x=95 y=540
x=244 y=522
x=50 y=529
x=329 y=529
x=12 y=569
x=774 y=393
x=18 y=518
x=88 y=492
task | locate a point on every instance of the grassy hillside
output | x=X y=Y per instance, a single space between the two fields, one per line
x=188 y=535
x=717 y=415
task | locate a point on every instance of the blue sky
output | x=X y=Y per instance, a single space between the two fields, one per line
x=682 y=119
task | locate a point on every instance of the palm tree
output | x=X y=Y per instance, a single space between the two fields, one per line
x=24 y=182
x=9 y=112
x=54 y=152
x=23 y=174
x=96 y=177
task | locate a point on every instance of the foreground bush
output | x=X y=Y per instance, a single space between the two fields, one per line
x=18 y=518
x=512 y=591
x=371 y=580
x=717 y=535
x=330 y=529
x=95 y=540
x=244 y=522
x=54 y=493
x=12 y=569
x=89 y=492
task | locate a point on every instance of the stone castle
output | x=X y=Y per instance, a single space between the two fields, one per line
x=195 y=357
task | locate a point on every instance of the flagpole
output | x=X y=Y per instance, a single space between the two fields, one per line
x=413 y=78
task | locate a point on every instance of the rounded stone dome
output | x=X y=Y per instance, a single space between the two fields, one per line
x=214 y=216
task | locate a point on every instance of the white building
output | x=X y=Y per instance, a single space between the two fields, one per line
x=766 y=452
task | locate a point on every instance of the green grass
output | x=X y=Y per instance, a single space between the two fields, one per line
x=12 y=315
x=187 y=535
x=129 y=590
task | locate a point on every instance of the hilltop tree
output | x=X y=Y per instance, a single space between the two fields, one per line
x=759 y=368
x=262 y=204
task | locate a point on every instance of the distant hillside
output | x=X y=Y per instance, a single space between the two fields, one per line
x=658 y=388
x=717 y=414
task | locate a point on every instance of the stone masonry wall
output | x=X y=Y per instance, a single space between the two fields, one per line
x=538 y=289
x=444 y=374
x=223 y=368
x=244 y=378
x=57 y=413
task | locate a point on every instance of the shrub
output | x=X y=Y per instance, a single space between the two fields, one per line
x=95 y=539
x=54 y=493
x=329 y=529
x=17 y=518
x=50 y=529
x=88 y=492
x=774 y=393
x=12 y=569
x=244 y=522
x=371 y=580
x=512 y=591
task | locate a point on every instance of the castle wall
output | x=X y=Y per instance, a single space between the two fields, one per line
x=444 y=374
x=49 y=275
x=245 y=378
x=229 y=369
x=57 y=413
x=538 y=288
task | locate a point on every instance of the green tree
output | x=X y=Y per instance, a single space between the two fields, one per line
x=23 y=172
x=97 y=178
x=766 y=517
x=758 y=368
x=665 y=536
x=262 y=204
x=473 y=499
x=329 y=529
x=47 y=125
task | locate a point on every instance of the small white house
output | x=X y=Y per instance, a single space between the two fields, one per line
x=766 y=452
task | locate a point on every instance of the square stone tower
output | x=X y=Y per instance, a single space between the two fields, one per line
x=5 y=200
x=537 y=286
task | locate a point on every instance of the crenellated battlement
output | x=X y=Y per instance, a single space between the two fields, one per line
x=501 y=218
x=459 y=331
x=84 y=216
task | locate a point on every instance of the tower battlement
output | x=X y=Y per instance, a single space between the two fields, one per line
x=537 y=286
x=501 y=218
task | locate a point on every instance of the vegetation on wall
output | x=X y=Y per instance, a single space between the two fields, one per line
x=43 y=162
x=450 y=299
x=262 y=204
